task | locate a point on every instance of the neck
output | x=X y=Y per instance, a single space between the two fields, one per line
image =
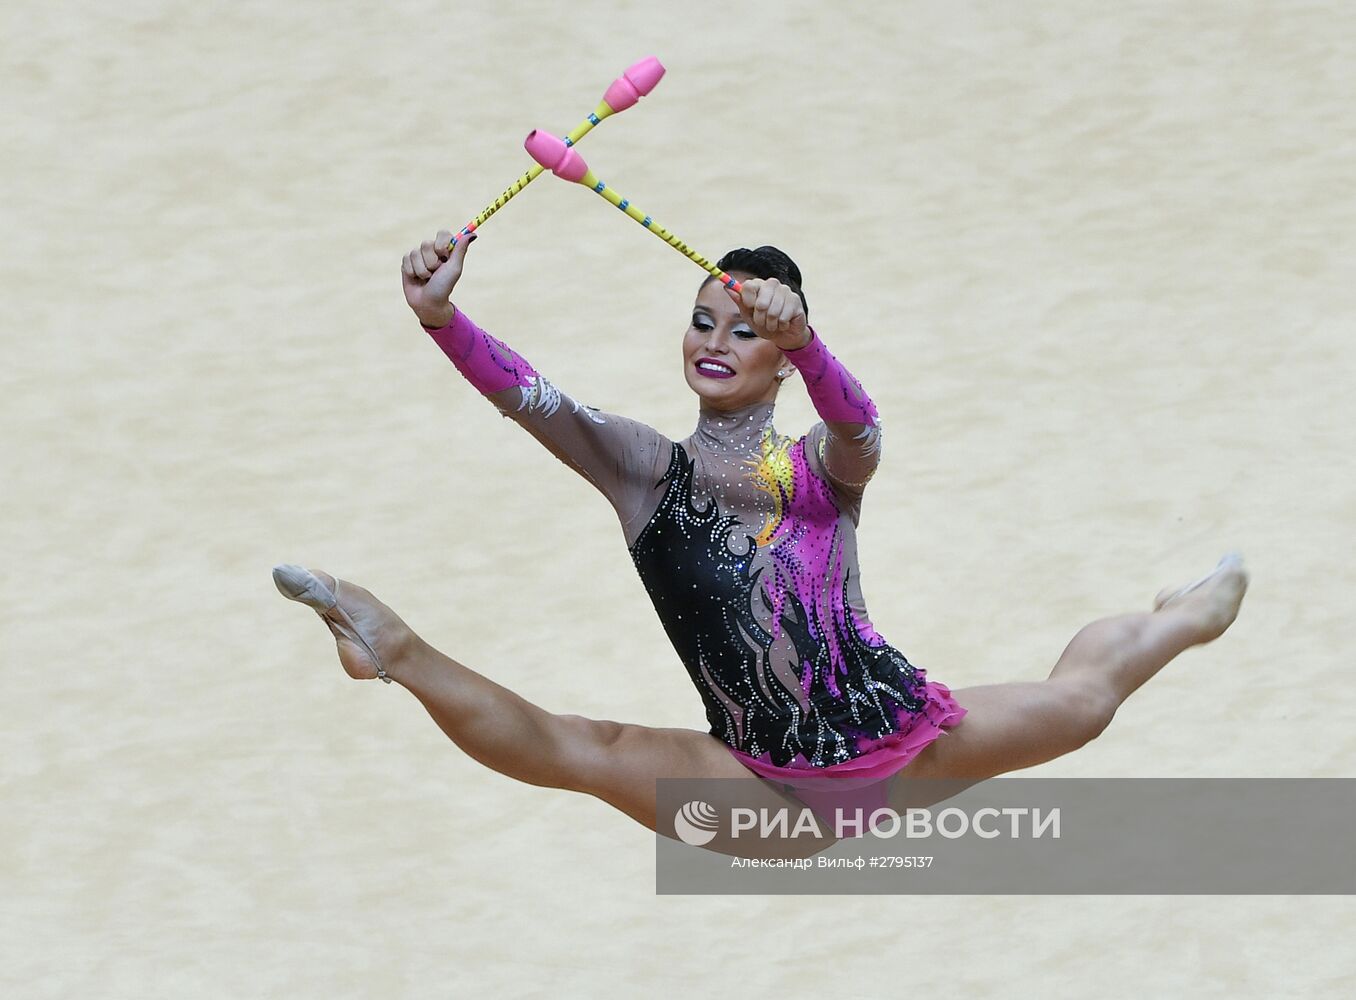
x=734 y=430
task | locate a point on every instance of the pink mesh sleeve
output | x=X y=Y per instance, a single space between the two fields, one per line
x=837 y=396
x=847 y=447
x=486 y=362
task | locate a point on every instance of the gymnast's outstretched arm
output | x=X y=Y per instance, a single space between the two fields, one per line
x=623 y=458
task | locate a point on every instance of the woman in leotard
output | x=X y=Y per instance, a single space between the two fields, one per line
x=745 y=541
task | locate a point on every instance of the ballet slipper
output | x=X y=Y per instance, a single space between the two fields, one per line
x=299 y=584
x=1166 y=596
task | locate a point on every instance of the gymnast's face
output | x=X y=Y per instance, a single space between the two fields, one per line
x=726 y=364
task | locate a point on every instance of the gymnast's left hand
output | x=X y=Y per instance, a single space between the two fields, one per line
x=774 y=312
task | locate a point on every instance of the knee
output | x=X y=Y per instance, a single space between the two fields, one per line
x=1089 y=709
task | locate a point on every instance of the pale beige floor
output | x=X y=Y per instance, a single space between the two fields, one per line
x=1092 y=260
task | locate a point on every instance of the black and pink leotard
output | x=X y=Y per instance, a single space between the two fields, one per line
x=746 y=543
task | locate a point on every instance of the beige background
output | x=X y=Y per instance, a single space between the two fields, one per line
x=1092 y=260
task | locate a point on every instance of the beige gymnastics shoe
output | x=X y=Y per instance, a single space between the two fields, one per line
x=1215 y=597
x=320 y=592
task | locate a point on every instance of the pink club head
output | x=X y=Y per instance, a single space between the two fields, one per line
x=552 y=153
x=638 y=80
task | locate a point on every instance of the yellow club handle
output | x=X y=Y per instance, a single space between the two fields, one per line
x=577 y=133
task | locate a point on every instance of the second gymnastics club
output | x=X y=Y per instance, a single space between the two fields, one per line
x=558 y=157
x=635 y=82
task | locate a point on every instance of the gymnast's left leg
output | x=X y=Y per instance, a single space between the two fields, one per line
x=1019 y=725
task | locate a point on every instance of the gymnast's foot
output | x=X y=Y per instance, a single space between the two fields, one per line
x=1213 y=600
x=371 y=637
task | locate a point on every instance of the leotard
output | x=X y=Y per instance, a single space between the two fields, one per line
x=746 y=543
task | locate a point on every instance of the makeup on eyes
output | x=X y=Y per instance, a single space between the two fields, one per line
x=703 y=321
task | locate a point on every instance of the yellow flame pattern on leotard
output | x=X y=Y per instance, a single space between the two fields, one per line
x=774 y=474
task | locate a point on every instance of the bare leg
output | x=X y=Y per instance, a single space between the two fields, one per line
x=1014 y=726
x=615 y=762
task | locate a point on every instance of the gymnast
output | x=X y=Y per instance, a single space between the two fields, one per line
x=745 y=541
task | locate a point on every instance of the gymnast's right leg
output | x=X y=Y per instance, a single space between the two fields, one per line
x=615 y=762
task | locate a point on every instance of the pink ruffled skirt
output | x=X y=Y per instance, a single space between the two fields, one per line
x=862 y=783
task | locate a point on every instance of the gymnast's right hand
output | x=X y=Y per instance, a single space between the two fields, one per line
x=429 y=274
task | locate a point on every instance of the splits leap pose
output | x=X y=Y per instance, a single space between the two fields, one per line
x=746 y=543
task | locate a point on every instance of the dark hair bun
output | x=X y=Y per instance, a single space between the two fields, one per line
x=765 y=262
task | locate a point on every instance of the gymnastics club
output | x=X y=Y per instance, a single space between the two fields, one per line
x=557 y=156
x=637 y=81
